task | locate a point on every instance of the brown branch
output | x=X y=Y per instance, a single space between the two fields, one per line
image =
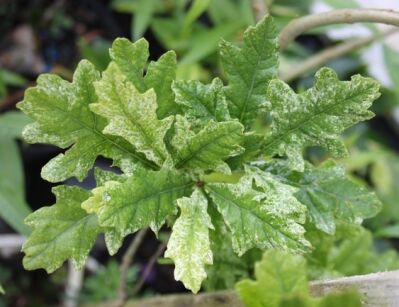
x=331 y=53
x=259 y=9
x=305 y=23
x=149 y=267
x=126 y=262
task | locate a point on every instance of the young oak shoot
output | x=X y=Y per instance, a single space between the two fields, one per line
x=185 y=149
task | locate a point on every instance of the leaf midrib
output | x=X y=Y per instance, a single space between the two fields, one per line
x=307 y=120
x=148 y=195
x=185 y=160
x=103 y=136
x=254 y=214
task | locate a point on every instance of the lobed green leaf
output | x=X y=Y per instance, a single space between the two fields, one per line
x=318 y=116
x=249 y=69
x=62 y=231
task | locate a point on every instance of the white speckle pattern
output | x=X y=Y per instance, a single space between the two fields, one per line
x=189 y=244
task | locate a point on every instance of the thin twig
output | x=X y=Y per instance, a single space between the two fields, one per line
x=149 y=267
x=259 y=9
x=331 y=53
x=73 y=286
x=126 y=262
x=305 y=23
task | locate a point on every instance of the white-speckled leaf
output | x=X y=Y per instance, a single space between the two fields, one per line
x=62 y=115
x=318 y=116
x=252 y=144
x=113 y=237
x=227 y=267
x=189 y=244
x=131 y=58
x=202 y=101
x=131 y=115
x=266 y=217
x=249 y=69
x=329 y=195
x=61 y=231
x=207 y=149
x=145 y=199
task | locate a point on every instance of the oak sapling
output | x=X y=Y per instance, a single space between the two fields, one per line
x=189 y=152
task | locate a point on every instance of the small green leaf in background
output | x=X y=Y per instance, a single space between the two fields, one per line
x=12 y=124
x=13 y=207
x=391 y=58
x=196 y=9
x=281 y=281
x=351 y=251
x=145 y=9
x=2 y=290
x=96 y=52
x=206 y=41
x=8 y=77
x=12 y=78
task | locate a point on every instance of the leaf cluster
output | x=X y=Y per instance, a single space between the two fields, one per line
x=194 y=155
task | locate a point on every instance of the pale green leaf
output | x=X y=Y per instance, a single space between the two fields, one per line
x=189 y=244
x=207 y=149
x=278 y=275
x=131 y=115
x=62 y=117
x=249 y=69
x=349 y=298
x=131 y=59
x=145 y=199
x=281 y=281
x=318 y=116
x=60 y=232
x=357 y=256
x=266 y=217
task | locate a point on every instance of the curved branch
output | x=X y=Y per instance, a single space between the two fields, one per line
x=126 y=262
x=305 y=23
x=328 y=54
